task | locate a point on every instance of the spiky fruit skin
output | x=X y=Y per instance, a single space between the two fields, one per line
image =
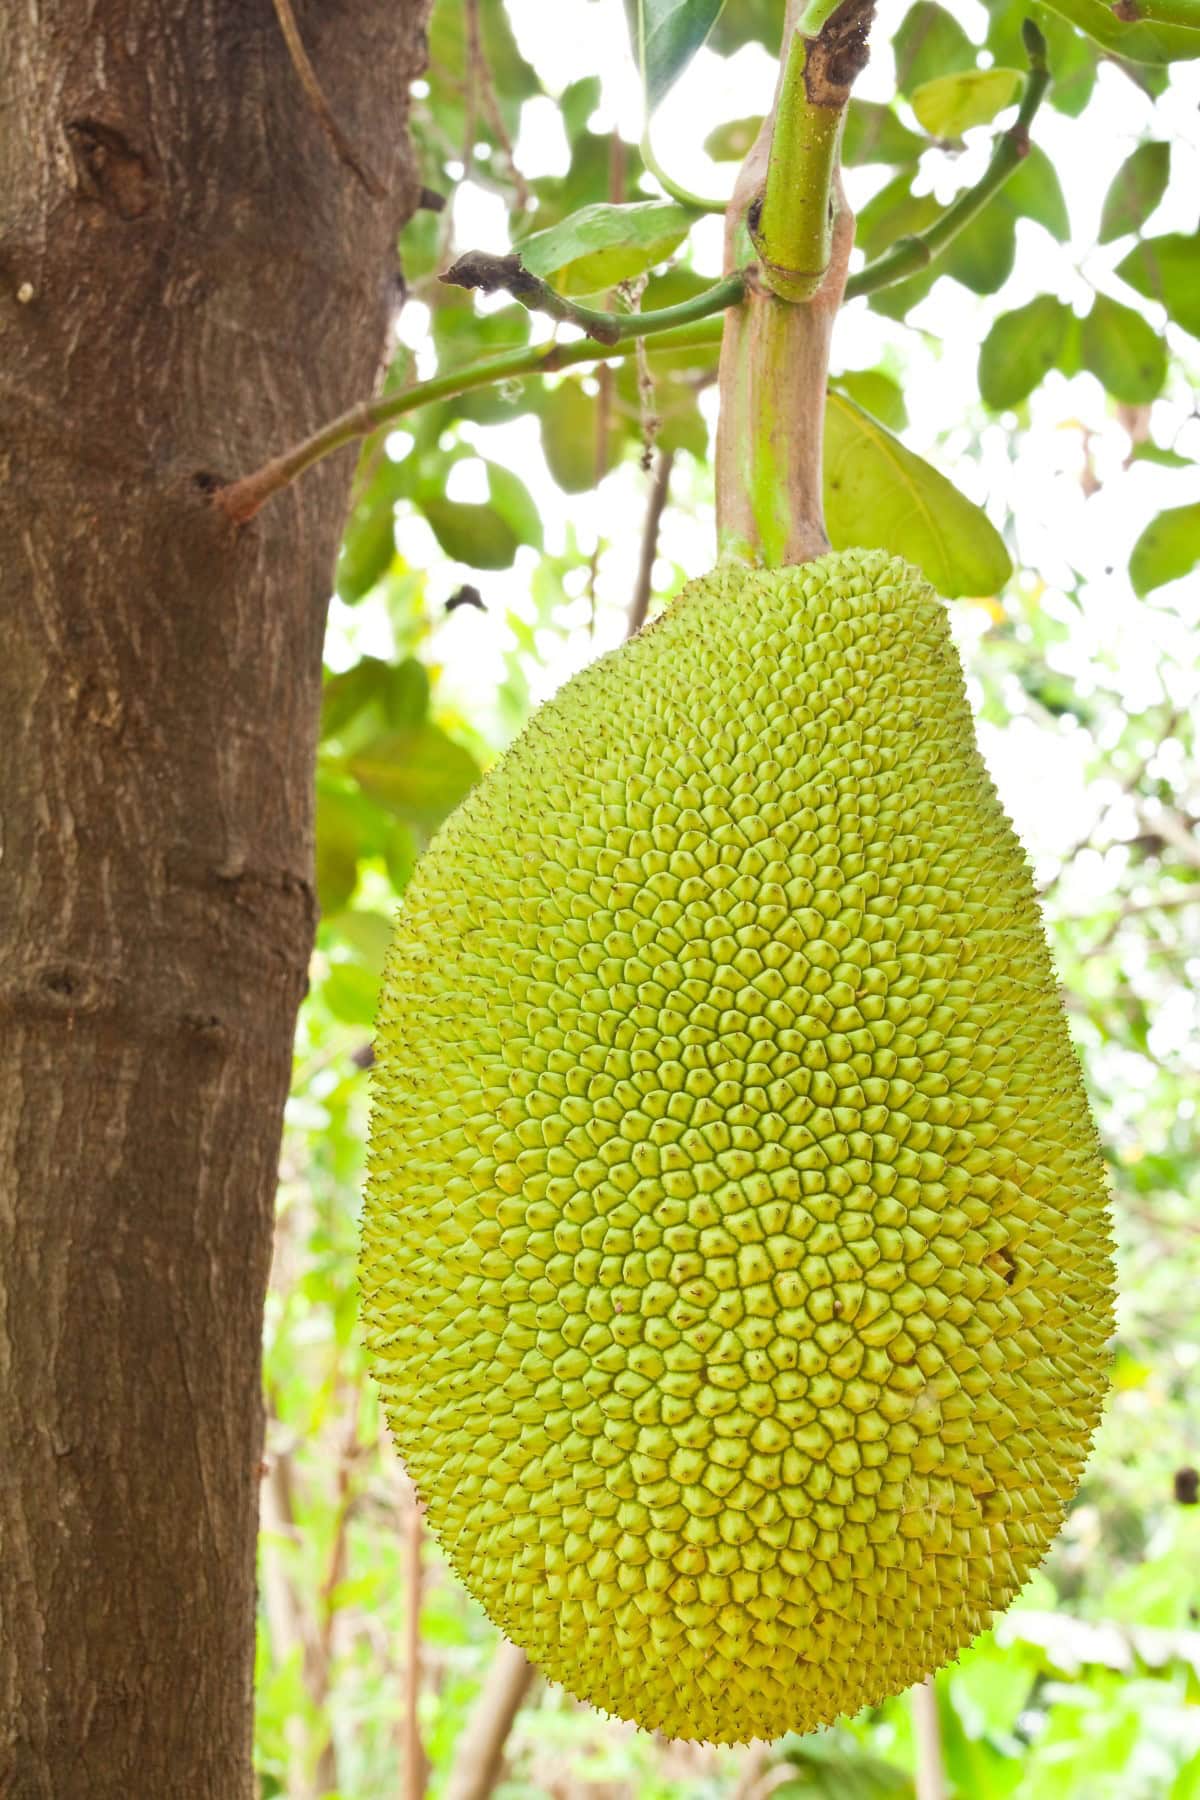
x=736 y=1263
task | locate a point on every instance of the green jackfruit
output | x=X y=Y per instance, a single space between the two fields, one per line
x=736 y=1264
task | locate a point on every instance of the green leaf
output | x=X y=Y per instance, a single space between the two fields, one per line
x=1168 y=549
x=370 y=540
x=1137 y=187
x=1033 y=192
x=366 y=932
x=462 y=335
x=894 y=212
x=579 y=101
x=406 y=694
x=1158 y=453
x=569 y=429
x=339 y=836
x=876 y=393
x=929 y=43
x=351 y=992
x=951 y=104
x=666 y=35
x=344 y=696
x=731 y=141
x=420 y=775
x=400 y=852
x=1122 y=348
x=1139 y=41
x=1021 y=348
x=514 y=503
x=982 y=255
x=880 y=495
x=476 y=535
x=873 y=134
x=1167 y=269
x=600 y=245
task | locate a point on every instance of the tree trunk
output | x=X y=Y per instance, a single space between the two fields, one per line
x=191 y=277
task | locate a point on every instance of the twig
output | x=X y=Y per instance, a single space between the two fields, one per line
x=931 y=1769
x=909 y=255
x=490 y=274
x=318 y=102
x=240 y=500
x=657 y=500
x=481 y=1747
x=415 y=1764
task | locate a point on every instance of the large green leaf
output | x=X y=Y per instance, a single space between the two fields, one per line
x=1138 y=41
x=666 y=35
x=877 y=393
x=600 y=245
x=929 y=43
x=881 y=495
x=950 y=104
x=1034 y=192
x=1021 y=347
x=370 y=540
x=420 y=775
x=569 y=436
x=476 y=535
x=1124 y=351
x=1168 y=549
x=514 y=503
x=1167 y=269
x=1137 y=187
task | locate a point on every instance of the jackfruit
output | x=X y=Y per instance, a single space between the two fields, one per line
x=736 y=1265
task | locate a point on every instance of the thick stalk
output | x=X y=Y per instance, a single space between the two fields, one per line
x=775 y=350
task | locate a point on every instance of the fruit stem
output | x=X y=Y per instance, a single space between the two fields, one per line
x=775 y=349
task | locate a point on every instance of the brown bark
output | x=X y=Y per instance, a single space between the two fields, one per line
x=189 y=279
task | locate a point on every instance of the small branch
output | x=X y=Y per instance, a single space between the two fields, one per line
x=791 y=223
x=672 y=187
x=909 y=255
x=415 y=1764
x=659 y=489
x=931 y=1770
x=318 y=102
x=491 y=274
x=240 y=500
x=480 y=1750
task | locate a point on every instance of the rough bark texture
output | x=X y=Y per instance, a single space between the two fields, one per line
x=190 y=278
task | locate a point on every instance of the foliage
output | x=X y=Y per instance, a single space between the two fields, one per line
x=1090 y=1687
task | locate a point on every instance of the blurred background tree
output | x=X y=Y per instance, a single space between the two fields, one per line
x=1047 y=366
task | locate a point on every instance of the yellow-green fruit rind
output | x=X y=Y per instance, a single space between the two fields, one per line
x=736 y=1264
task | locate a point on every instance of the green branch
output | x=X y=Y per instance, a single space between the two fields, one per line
x=492 y=274
x=791 y=224
x=240 y=500
x=909 y=255
x=672 y=187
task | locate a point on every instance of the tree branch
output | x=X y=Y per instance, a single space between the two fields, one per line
x=931 y=1767
x=659 y=489
x=909 y=255
x=491 y=274
x=240 y=500
x=316 y=99
x=481 y=1747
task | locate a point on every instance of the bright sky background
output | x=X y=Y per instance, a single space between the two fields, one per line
x=1041 y=777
